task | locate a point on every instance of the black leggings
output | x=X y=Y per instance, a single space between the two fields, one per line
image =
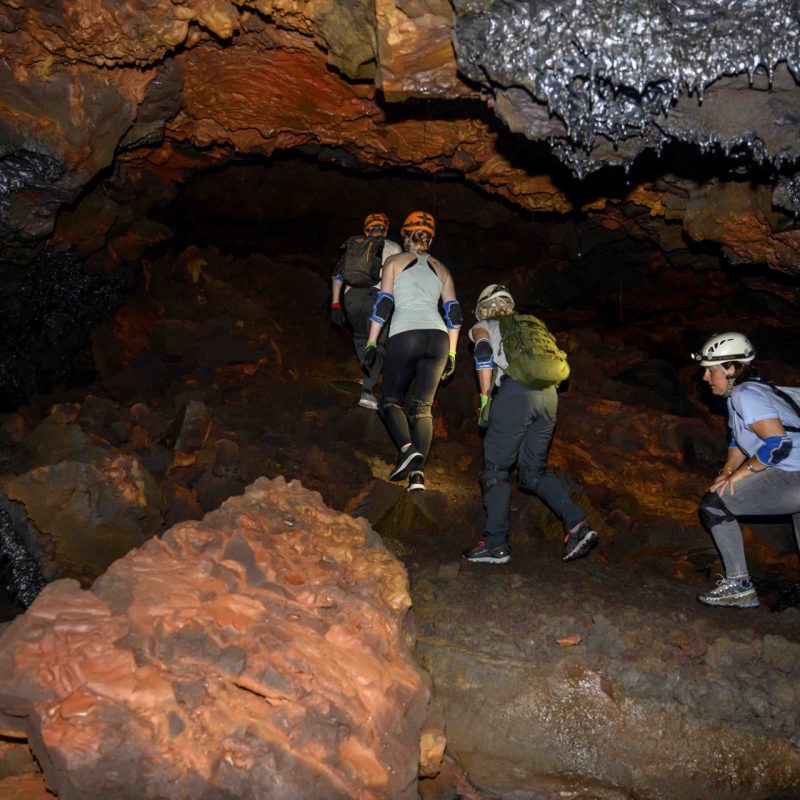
x=421 y=355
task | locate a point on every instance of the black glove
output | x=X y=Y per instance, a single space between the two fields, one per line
x=368 y=359
x=449 y=367
x=337 y=315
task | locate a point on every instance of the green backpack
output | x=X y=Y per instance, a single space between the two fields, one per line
x=534 y=358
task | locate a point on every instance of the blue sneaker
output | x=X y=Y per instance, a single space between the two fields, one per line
x=481 y=554
x=731 y=593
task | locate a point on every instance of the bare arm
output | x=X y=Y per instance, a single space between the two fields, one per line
x=448 y=293
x=741 y=467
x=387 y=285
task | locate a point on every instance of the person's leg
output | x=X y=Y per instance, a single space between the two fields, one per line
x=428 y=373
x=398 y=365
x=727 y=535
x=507 y=427
x=770 y=492
x=358 y=304
x=533 y=452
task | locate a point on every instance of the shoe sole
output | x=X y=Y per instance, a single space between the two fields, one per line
x=721 y=604
x=489 y=559
x=405 y=466
x=583 y=548
x=415 y=487
x=368 y=404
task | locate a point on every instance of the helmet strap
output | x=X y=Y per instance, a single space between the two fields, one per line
x=731 y=383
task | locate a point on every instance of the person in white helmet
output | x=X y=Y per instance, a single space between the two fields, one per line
x=761 y=474
x=353 y=303
x=521 y=423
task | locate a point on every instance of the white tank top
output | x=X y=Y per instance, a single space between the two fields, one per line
x=416 y=299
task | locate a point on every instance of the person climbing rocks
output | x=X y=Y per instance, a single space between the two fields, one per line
x=354 y=289
x=761 y=474
x=421 y=345
x=519 y=366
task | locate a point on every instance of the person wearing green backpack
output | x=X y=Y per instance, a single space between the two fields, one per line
x=519 y=366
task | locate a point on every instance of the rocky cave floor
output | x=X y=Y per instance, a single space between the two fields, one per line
x=250 y=339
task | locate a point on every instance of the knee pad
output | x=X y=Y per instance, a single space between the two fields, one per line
x=493 y=475
x=418 y=409
x=713 y=510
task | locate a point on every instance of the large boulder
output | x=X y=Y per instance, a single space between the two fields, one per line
x=257 y=653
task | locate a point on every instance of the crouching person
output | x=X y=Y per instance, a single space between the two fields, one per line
x=761 y=475
x=519 y=366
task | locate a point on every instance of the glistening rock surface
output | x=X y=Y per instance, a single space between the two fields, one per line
x=257 y=653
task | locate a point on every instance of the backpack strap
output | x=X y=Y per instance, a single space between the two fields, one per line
x=784 y=396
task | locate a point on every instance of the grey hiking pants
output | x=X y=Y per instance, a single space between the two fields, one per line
x=772 y=491
x=521 y=426
x=358 y=304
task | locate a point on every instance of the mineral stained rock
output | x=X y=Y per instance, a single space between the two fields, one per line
x=256 y=653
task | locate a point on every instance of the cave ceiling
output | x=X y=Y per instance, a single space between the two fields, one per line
x=554 y=107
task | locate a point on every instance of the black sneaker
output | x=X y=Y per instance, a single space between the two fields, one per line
x=416 y=481
x=578 y=543
x=406 y=462
x=481 y=554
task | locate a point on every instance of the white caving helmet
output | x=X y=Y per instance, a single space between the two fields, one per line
x=494 y=301
x=724 y=347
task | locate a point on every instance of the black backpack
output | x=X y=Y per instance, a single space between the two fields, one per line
x=360 y=264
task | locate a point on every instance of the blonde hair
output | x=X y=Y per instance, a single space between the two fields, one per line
x=420 y=239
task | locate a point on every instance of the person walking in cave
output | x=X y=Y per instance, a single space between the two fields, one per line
x=519 y=414
x=421 y=345
x=354 y=290
x=761 y=474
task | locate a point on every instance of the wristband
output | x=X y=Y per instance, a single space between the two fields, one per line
x=337 y=304
x=725 y=469
x=452 y=354
x=750 y=467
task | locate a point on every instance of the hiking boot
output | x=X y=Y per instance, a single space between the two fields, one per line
x=406 y=462
x=416 y=481
x=579 y=541
x=731 y=593
x=368 y=400
x=481 y=554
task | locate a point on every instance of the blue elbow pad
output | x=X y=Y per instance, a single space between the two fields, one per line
x=339 y=278
x=453 y=317
x=484 y=355
x=774 y=450
x=382 y=308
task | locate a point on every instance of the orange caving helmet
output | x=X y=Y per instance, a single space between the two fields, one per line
x=377 y=218
x=419 y=221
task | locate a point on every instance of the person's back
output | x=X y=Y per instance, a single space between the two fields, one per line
x=416 y=298
x=354 y=288
x=421 y=345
